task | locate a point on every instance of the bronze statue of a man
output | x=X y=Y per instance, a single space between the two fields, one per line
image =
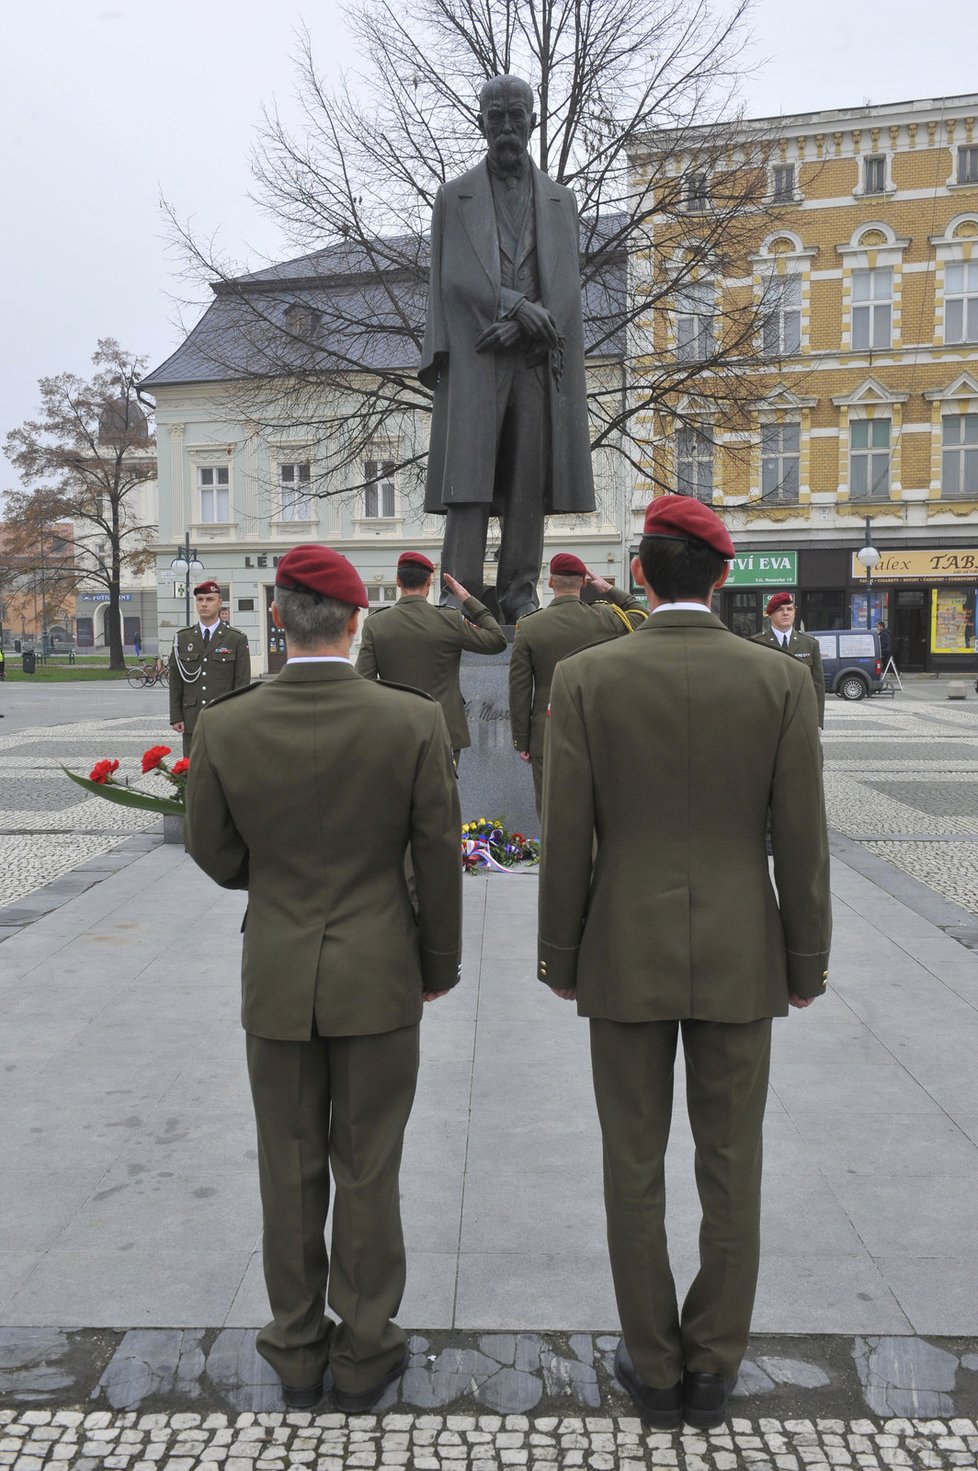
x=504 y=354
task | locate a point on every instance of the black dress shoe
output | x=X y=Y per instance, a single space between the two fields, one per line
x=705 y=1399
x=302 y=1397
x=360 y=1404
x=660 y=1408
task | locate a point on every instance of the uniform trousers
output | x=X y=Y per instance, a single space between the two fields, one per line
x=522 y=458
x=727 y=1068
x=340 y=1105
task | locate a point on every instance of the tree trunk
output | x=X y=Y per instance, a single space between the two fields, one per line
x=117 y=658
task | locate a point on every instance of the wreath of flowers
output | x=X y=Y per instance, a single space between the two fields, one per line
x=102 y=782
x=488 y=843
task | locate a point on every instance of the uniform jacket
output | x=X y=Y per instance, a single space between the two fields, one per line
x=666 y=750
x=197 y=678
x=544 y=638
x=417 y=644
x=465 y=297
x=805 y=649
x=307 y=791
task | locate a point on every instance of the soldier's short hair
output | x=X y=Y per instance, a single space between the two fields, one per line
x=679 y=567
x=309 y=617
x=411 y=576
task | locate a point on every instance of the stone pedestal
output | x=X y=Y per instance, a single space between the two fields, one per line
x=172 y=828
x=492 y=780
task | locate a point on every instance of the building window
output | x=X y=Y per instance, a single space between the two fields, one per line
x=783 y=183
x=780 y=462
x=694 y=463
x=782 y=316
x=697 y=194
x=874 y=174
x=694 y=322
x=214 y=493
x=869 y=459
x=961 y=301
x=959 y=458
x=378 y=494
x=294 y=484
x=381 y=592
x=302 y=321
x=968 y=165
x=872 y=308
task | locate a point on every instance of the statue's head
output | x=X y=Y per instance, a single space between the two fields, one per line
x=506 y=119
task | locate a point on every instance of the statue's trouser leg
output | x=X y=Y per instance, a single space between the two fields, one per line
x=522 y=451
x=463 y=551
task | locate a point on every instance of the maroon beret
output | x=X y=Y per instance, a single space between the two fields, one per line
x=565 y=564
x=312 y=568
x=684 y=516
x=210 y=586
x=779 y=600
x=415 y=559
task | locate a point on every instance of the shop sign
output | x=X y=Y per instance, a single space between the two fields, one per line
x=102 y=597
x=944 y=566
x=763 y=569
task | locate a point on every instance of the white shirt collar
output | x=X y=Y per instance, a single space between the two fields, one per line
x=318 y=659
x=205 y=626
x=681 y=608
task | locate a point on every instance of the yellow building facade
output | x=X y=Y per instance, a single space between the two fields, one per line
x=859 y=269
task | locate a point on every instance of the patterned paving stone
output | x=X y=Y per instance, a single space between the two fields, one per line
x=899 y=780
x=49 y=826
x=937 y=799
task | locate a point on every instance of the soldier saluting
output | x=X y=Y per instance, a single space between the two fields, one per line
x=544 y=638
x=208 y=659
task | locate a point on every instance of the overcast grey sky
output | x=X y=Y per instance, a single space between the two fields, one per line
x=105 y=105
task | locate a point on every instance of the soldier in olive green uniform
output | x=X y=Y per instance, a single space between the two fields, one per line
x=546 y=636
x=782 y=634
x=417 y=644
x=207 y=659
x=665 y=752
x=308 y=790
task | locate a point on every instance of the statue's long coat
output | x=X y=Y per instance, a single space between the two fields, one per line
x=463 y=300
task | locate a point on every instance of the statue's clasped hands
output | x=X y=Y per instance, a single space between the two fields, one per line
x=530 y=321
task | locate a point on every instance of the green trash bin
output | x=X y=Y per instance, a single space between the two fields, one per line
x=29 y=660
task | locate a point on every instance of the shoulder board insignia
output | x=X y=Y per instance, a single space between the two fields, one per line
x=243 y=689
x=408 y=689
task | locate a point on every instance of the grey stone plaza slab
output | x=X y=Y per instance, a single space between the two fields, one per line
x=129 y=1161
x=129 y=1221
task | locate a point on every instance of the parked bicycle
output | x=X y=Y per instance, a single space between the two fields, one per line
x=144 y=675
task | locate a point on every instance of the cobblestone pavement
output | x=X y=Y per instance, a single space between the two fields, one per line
x=32 y=1439
x=901 y=778
x=48 y=826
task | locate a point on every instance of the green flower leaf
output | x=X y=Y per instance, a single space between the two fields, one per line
x=127 y=797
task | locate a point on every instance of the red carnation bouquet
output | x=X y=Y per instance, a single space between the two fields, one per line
x=102 y=782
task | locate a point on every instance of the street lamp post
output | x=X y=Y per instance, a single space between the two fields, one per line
x=186 y=563
x=868 y=556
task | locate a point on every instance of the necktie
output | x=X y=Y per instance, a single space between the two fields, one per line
x=207 y=637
